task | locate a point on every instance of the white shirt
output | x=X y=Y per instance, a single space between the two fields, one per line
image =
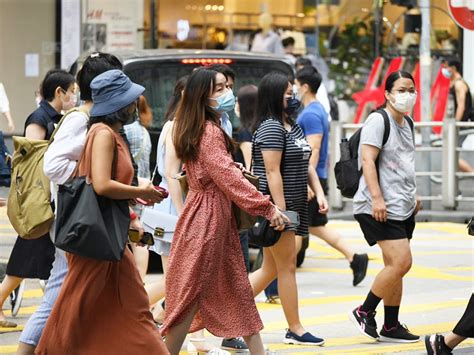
x=4 y=103
x=270 y=42
x=62 y=155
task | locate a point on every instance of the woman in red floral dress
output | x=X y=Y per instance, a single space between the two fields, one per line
x=207 y=284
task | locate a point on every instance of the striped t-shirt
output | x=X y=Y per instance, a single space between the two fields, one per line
x=271 y=135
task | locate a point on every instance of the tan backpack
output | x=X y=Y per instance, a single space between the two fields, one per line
x=29 y=200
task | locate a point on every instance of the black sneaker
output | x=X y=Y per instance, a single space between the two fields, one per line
x=359 y=268
x=398 y=334
x=306 y=339
x=365 y=322
x=234 y=344
x=16 y=297
x=435 y=345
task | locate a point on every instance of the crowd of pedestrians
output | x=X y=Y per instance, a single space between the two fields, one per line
x=207 y=283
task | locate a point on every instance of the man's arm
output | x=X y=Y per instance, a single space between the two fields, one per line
x=460 y=92
x=315 y=141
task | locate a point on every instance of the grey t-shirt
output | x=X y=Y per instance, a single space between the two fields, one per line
x=396 y=168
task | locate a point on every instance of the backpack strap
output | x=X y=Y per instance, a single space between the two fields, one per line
x=412 y=126
x=386 y=121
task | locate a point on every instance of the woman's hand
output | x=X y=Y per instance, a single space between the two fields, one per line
x=323 y=203
x=279 y=220
x=137 y=225
x=379 y=210
x=149 y=193
x=242 y=168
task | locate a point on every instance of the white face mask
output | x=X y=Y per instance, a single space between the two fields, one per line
x=404 y=102
x=446 y=72
x=71 y=103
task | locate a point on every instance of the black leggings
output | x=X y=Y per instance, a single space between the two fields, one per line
x=465 y=326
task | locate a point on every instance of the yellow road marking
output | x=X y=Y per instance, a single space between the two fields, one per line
x=33 y=293
x=18 y=328
x=459 y=268
x=313 y=301
x=27 y=310
x=8 y=349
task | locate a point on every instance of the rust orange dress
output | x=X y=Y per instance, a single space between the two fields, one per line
x=102 y=307
x=206 y=266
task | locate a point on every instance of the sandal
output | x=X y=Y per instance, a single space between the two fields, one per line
x=7 y=324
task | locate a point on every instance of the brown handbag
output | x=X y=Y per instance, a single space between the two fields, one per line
x=243 y=219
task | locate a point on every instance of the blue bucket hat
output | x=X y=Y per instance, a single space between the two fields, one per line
x=112 y=91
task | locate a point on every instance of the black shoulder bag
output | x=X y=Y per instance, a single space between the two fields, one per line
x=90 y=225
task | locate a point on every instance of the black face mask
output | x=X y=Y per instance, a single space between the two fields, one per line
x=132 y=118
x=293 y=104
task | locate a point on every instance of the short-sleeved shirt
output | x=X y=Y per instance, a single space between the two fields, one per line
x=396 y=168
x=314 y=120
x=244 y=135
x=140 y=147
x=45 y=116
x=271 y=135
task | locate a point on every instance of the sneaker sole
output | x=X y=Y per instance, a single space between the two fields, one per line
x=356 y=323
x=296 y=342
x=18 y=301
x=429 y=346
x=235 y=349
x=383 y=339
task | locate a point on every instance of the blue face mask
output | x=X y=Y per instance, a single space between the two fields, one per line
x=225 y=102
x=293 y=104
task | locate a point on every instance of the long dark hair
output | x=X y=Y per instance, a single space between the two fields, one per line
x=247 y=97
x=390 y=82
x=193 y=113
x=175 y=98
x=271 y=91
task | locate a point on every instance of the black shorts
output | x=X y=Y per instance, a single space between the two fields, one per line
x=391 y=230
x=315 y=218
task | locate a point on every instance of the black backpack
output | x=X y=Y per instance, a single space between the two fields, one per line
x=347 y=168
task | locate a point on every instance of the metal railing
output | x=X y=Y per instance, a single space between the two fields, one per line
x=449 y=196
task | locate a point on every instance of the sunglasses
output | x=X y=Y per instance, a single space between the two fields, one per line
x=134 y=237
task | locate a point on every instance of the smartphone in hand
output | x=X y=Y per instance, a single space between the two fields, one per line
x=294 y=220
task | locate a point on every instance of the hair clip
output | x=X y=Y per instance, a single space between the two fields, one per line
x=95 y=55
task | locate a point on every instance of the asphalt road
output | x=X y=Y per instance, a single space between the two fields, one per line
x=436 y=292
